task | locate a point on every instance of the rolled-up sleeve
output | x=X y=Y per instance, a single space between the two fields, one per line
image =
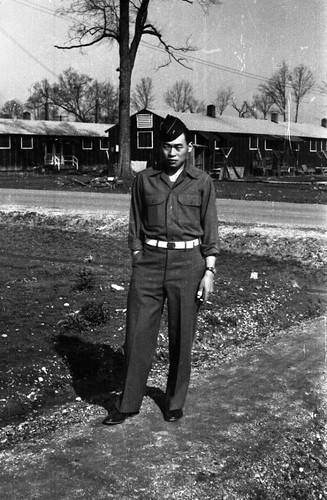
x=209 y=219
x=135 y=238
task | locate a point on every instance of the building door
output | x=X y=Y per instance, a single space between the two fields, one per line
x=58 y=152
x=199 y=157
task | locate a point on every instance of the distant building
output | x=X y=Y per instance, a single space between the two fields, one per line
x=28 y=144
x=228 y=147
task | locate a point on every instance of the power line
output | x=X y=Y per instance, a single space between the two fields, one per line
x=12 y=39
x=32 y=5
x=29 y=3
x=221 y=67
x=40 y=8
x=211 y=64
x=188 y=57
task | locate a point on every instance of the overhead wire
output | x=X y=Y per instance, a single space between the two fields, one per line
x=221 y=67
x=186 y=56
x=32 y=56
x=41 y=8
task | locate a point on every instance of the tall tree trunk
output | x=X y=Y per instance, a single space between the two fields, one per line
x=296 y=111
x=125 y=76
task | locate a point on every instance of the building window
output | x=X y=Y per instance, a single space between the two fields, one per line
x=268 y=145
x=5 y=142
x=144 y=121
x=87 y=143
x=104 y=142
x=313 y=145
x=26 y=142
x=253 y=143
x=296 y=146
x=144 y=140
x=323 y=145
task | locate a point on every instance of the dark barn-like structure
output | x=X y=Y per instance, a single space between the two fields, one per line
x=29 y=144
x=229 y=147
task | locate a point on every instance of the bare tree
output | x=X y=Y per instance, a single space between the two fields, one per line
x=276 y=88
x=142 y=97
x=105 y=102
x=40 y=99
x=245 y=110
x=75 y=94
x=302 y=82
x=111 y=21
x=323 y=88
x=263 y=103
x=180 y=97
x=13 y=109
x=224 y=99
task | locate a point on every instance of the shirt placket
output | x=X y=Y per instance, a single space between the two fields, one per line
x=169 y=214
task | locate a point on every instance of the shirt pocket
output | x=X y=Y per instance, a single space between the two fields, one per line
x=189 y=209
x=155 y=210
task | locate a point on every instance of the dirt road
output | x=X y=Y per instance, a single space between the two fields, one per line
x=247 y=434
x=247 y=211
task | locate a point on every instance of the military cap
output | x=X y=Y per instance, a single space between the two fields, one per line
x=171 y=128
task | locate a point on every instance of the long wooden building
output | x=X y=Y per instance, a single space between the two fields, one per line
x=30 y=144
x=228 y=146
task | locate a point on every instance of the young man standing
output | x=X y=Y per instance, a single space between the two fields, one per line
x=173 y=238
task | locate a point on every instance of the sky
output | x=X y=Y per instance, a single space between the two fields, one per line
x=240 y=43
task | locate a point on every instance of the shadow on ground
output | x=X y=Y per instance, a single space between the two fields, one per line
x=97 y=371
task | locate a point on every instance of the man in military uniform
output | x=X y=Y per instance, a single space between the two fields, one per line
x=173 y=239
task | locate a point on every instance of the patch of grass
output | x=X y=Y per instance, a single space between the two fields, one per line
x=85 y=280
x=91 y=314
x=73 y=322
x=94 y=313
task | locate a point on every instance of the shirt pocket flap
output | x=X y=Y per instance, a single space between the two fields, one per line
x=154 y=199
x=189 y=199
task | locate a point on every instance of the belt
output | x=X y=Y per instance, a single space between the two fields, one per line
x=173 y=245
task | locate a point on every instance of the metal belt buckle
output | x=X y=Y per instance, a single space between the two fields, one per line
x=171 y=245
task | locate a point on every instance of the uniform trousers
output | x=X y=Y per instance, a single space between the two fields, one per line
x=158 y=275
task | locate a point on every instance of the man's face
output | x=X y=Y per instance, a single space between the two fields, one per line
x=175 y=152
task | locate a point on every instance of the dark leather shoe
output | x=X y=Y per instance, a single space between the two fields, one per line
x=173 y=415
x=116 y=417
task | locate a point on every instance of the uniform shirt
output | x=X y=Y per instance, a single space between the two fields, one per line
x=179 y=211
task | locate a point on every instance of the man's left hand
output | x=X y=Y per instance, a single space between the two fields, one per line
x=205 y=287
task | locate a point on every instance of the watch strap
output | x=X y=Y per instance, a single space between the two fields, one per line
x=211 y=269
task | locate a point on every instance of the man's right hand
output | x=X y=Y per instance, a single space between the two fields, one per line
x=134 y=256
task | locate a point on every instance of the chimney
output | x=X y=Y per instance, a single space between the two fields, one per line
x=324 y=122
x=211 y=110
x=274 y=116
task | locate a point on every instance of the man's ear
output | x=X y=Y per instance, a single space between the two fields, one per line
x=190 y=146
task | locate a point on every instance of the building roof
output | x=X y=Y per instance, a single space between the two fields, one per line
x=55 y=128
x=233 y=125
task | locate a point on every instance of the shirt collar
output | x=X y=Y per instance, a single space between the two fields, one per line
x=188 y=170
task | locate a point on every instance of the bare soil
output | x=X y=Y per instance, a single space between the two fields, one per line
x=63 y=286
x=64 y=283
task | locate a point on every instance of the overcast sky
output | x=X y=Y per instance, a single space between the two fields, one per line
x=240 y=43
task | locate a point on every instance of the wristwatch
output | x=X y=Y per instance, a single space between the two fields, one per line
x=212 y=269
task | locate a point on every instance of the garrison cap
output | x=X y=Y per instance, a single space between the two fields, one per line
x=171 y=128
